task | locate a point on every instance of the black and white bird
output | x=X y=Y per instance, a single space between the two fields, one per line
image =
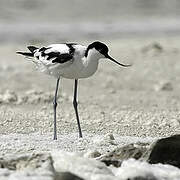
x=69 y=60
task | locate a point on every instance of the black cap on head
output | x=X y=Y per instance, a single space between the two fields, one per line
x=103 y=49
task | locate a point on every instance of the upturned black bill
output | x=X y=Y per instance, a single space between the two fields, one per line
x=124 y=65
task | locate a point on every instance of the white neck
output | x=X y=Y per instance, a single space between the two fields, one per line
x=91 y=61
x=92 y=58
x=94 y=54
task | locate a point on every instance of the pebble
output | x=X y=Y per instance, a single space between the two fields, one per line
x=115 y=165
x=37 y=166
x=106 y=139
x=153 y=48
x=163 y=86
x=30 y=97
x=115 y=157
x=92 y=154
x=8 y=97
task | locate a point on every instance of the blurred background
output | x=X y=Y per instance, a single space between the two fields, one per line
x=60 y=20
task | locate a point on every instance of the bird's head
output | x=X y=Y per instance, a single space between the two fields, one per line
x=101 y=50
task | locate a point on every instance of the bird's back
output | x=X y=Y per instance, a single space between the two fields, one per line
x=60 y=53
x=57 y=59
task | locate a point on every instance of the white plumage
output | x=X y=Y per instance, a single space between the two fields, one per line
x=70 y=69
x=69 y=60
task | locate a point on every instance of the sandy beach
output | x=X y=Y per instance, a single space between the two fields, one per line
x=142 y=100
x=136 y=104
x=140 y=103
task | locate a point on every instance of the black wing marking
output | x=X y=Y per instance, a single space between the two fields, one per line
x=55 y=55
x=71 y=48
x=42 y=50
x=62 y=58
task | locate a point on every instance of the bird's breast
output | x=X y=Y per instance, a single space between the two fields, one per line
x=80 y=68
x=90 y=67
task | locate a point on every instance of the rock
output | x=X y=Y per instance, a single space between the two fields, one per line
x=115 y=157
x=22 y=99
x=35 y=97
x=174 y=122
x=30 y=97
x=92 y=154
x=153 y=48
x=67 y=176
x=163 y=86
x=111 y=161
x=132 y=169
x=166 y=151
x=109 y=136
x=83 y=167
x=1 y=98
x=37 y=166
x=106 y=139
x=8 y=97
x=150 y=177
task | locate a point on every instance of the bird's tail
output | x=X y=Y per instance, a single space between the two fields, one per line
x=28 y=54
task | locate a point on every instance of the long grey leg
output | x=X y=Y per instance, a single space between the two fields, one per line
x=75 y=107
x=54 y=107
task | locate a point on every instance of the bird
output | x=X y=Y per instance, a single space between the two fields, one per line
x=71 y=61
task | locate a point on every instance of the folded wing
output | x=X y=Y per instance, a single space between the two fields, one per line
x=54 y=54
